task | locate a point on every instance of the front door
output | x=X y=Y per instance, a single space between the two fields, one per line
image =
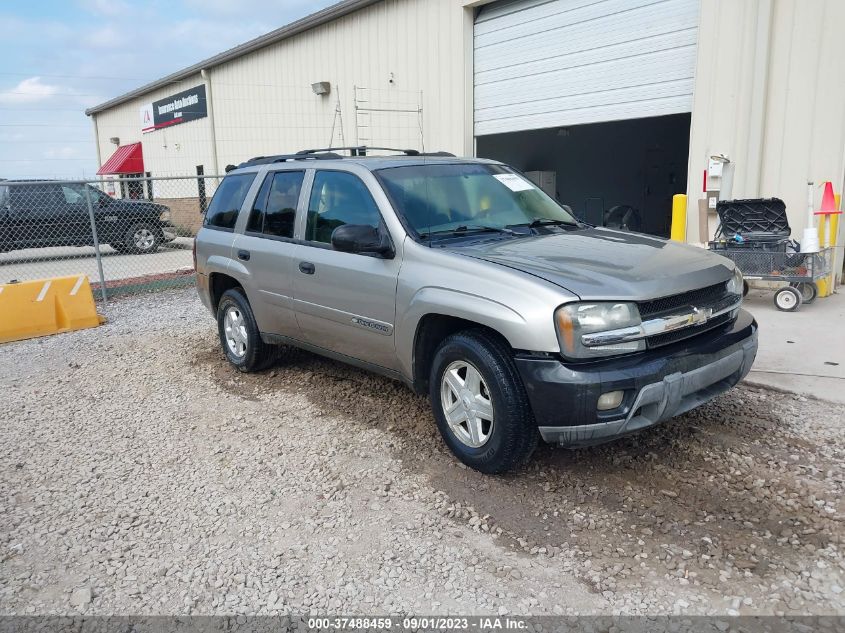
x=344 y=302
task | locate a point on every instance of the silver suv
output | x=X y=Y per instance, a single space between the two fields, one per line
x=462 y=279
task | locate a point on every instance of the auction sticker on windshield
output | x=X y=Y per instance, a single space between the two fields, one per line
x=513 y=182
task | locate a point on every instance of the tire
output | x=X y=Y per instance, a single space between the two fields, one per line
x=487 y=445
x=745 y=288
x=808 y=291
x=239 y=335
x=788 y=299
x=141 y=237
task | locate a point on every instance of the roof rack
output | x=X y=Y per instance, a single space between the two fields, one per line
x=330 y=153
x=281 y=158
x=361 y=150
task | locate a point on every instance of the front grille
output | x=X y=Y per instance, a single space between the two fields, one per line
x=708 y=297
x=715 y=297
x=687 y=332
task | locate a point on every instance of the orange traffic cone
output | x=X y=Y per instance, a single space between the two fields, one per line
x=828 y=201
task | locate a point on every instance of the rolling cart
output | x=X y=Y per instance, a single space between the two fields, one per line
x=755 y=235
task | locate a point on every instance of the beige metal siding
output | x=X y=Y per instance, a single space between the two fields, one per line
x=770 y=93
x=263 y=101
x=172 y=151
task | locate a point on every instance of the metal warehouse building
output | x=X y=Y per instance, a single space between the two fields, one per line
x=607 y=104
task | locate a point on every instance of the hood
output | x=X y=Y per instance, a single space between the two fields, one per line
x=605 y=264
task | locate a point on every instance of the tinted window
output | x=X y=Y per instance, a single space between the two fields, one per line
x=256 y=215
x=227 y=201
x=338 y=198
x=281 y=203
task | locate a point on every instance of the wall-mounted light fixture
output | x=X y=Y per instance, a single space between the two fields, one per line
x=115 y=140
x=321 y=88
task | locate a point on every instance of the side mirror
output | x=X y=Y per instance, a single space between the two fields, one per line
x=363 y=239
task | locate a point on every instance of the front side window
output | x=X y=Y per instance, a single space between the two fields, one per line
x=74 y=194
x=338 y=198
x=443 y=198
x=223 y=210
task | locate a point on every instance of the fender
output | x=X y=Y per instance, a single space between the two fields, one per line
x=444 y=301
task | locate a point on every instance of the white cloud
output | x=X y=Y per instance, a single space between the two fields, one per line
x=61 y=152
x=29 y=90
x=111 y=8
x=106 y=37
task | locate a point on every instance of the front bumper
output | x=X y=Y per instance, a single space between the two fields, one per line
x=658 y=384
x=168 y=232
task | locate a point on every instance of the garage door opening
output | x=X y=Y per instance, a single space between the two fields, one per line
x=620 y=174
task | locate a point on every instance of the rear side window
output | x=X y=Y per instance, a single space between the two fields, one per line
x=223 y=210
x=274 y=211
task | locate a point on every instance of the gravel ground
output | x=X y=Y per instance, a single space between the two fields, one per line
x=140 y=474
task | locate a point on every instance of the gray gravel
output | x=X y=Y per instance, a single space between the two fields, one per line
x=140 y=474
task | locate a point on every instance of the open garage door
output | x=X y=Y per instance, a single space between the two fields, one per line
x=547 y=63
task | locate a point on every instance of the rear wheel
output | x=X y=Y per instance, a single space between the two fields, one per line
x=480 y=404
x=239 y=335
x=788 y=299
x=807 y=289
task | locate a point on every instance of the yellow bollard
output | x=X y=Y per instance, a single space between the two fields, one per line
x=679 y=218
x=829 y=226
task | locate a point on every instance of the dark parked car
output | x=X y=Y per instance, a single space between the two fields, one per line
x=42 y=213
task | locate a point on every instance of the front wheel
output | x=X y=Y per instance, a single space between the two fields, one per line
x=480 y=404
x=239 y=335
x=141 y=238
x=788 y=299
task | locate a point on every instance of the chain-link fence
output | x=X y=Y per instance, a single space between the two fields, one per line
x=127 y=235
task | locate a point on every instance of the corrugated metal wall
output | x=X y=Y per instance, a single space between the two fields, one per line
x=547 y=63
x=404 y=53
x=770 y=93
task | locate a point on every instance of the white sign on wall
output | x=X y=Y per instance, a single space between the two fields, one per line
x=147 y=119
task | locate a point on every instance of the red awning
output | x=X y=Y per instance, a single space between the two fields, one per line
x=127 y=159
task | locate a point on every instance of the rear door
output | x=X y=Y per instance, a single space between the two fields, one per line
x=344 y=302
x=5 y=207
x=267 y=247
x=36 y=215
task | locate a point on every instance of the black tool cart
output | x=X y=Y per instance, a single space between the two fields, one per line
x=755 y=235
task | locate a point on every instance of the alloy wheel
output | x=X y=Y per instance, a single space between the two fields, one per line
x=466 y=404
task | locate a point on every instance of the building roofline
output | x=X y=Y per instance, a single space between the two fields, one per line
x=333 y=12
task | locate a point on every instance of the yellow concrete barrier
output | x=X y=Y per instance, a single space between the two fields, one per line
x=679 y=218
x=46 y=306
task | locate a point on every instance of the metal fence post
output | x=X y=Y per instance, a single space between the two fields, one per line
x=96 y=241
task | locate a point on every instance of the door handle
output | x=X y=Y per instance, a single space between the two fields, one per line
x=307 y=267
x=243 y=255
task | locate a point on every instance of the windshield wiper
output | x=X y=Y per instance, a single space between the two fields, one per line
x=549 y=221
x=467 y=228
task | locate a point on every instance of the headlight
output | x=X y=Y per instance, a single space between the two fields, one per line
x=735 y=284
x=165 y=216
x=576 y=323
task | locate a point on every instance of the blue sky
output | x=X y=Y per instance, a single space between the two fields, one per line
x=59 y=57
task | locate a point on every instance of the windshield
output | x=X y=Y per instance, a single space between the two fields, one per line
x=455 y=198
